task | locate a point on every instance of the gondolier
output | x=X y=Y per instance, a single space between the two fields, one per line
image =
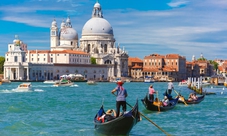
x=121 y=97
x=170 y=87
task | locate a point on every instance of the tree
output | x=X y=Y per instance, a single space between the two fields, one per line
x=214 y=63
x=2 y=60
x=201 y=59
x=93 y=60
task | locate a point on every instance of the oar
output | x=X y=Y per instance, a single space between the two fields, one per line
x=181 y=97
x=158 y=102
x=148 y=119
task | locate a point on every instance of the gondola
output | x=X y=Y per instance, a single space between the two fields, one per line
x=199 y=99
x=121 y=125
x=156 y=107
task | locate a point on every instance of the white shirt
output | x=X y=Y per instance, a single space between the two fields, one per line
x=170 y=85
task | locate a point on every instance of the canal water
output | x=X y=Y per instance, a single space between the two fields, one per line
x=69 y=111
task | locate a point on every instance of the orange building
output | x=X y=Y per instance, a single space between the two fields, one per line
x=135 y=67
x=165 y=67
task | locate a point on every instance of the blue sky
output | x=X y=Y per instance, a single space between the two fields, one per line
x=142 y=27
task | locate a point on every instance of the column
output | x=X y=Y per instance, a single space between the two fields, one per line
x=28 y=73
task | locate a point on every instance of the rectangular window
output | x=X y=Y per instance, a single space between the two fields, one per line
x=51 y=59
x=44 y=59
x=53 y=33
x=23 y=59
x=15 y=58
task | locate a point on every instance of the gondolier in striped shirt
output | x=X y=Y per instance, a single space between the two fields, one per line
x=121 y=97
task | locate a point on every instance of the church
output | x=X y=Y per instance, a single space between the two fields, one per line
x=68 y=54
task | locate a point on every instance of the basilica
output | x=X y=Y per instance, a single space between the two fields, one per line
x=68 y=54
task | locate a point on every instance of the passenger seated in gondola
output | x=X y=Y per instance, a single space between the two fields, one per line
x=165 y=101
x=109 y=115
x=192 y=97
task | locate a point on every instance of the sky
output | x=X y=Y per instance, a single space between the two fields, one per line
x=142 y=27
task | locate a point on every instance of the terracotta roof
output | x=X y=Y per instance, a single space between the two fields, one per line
x=174 y=56
x=154 y=56
x=136 y=59
x=137 y=66
x=220 y=68
x=169 y=69
x=150 y=69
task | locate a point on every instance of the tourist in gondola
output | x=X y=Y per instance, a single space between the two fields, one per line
x=151 y=93
x=121 y=97
x=192 y=97
x=165 y=101
x=110 y=115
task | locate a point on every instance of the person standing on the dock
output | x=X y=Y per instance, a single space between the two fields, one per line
x=121 y=97
x=170 y=87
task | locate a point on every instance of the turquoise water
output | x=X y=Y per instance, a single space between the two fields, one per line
x=69 y=111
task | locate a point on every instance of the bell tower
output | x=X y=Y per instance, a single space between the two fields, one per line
x=54 y=35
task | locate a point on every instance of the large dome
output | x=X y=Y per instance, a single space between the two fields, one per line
x=97 y=26
x=68 y=34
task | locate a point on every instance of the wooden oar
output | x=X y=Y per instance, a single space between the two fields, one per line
x=148 y=119
x=181 y=97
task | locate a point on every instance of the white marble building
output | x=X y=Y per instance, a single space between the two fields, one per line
x=66 y=56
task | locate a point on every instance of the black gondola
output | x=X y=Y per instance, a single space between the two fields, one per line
x=199 y=99
x=153 y=107
x=121 y=125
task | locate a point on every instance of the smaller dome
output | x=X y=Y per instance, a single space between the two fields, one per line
x=54 y=23
x=97 y=5
x=68 y=34
x=62 y=24
x=68 y=20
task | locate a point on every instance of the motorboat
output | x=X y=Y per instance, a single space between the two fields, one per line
x=148 y=79
x=25 y=86
x=50 y=81
x=183 y=83
x=63 y=83
x=91 y=82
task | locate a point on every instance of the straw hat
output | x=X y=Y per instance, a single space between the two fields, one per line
x=109 y=112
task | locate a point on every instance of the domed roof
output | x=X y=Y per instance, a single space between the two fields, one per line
x=68 y=34
x=54 y=23
x=97 y=26
x=97 y=5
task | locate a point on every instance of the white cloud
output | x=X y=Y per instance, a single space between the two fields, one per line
x=38 y=22
x=177 y=3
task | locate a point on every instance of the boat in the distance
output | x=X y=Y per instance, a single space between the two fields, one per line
x=63 y=83
x=198 y=100
x=25 y=86
x=149 y=79
x=91 y=82
x=121 y=125
x=157 y=105
x=50 y=81
x=183 y=83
